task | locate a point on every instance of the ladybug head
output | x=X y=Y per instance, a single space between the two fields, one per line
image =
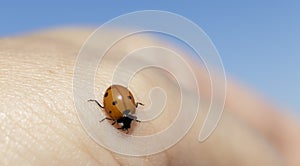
x=126 y=121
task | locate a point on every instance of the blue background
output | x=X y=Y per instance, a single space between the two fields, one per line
x=259 y=41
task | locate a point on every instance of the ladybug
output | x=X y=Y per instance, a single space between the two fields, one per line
x=119 y=104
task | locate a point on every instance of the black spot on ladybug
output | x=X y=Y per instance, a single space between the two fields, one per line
x=114 y=102
x=129 y=97
x=106 y=94
x=109 y=112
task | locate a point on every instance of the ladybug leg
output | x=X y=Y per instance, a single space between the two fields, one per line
x=138 y=103
x=106 y=119
x=96 y=103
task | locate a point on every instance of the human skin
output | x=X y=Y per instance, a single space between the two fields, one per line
x=39 y=124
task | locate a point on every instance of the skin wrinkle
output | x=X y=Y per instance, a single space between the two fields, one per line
x=60 y=133
x=28 y=133
x=41 y=119
x=80 y=145
x=97 y=160
x=63 y=135
x=49 y=125
x=4 y=137
x=15 y=142
x=17 y=153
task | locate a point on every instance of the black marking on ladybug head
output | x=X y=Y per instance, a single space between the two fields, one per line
x=126 y=121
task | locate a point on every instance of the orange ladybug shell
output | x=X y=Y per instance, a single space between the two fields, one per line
x=118 y=99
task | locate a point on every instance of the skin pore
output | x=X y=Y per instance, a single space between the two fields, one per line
x=39 y=124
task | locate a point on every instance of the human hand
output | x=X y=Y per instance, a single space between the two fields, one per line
x=39 y=124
